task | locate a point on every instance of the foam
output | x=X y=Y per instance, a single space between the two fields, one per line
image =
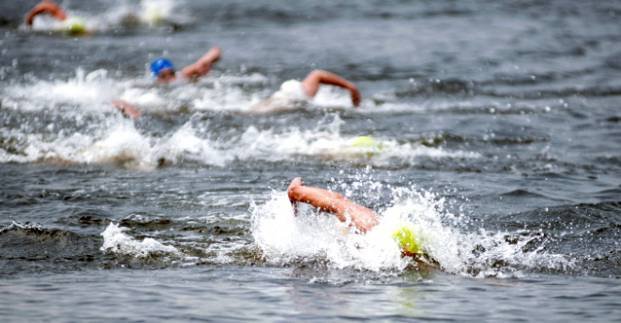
x=92 y=131
x=331 y=96
x=123 y=144
x=85 y=90
x=117 y=241
x=226 y=93
x=327 y=142
x=118 y=141
x=156 y=12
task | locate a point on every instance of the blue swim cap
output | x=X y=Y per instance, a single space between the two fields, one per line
x=160 y=64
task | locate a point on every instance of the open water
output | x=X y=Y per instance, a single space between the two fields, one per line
x=497 y=129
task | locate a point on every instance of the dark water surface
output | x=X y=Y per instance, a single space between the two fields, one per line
x=497 y=129
x=234 y=294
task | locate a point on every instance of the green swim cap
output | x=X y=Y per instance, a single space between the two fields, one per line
x=407 y=240
x=368 y=144
x=75 y=26
x=153 y=16
x=364 y=142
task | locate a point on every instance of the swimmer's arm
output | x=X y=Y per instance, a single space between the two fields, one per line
x=361 y=217
x=48 y=7
x=126 y=108
x=323 y=199
x=315 y=78
x=202 y=65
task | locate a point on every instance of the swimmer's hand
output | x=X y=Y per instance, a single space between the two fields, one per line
x=356 y=97
x=295 y=183
x=203 y=65
x=127 y=109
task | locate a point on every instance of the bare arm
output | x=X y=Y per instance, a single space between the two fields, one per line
x=317 y=77
x=361 y=217
x=127 y=109
x=202 y=65
x=47 y=7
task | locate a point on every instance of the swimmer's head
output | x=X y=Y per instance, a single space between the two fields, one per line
x=163 y=69
x=75 y=26
x=406 y=239
x=153 y=16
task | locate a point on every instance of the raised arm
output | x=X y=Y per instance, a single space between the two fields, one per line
x=47 y=7
x=202 y=65
x=361 y=217
x=317 y=77
x=126 y=108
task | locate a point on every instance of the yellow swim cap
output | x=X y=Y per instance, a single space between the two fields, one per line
x=75 y=26
x=368 y=145
x=364 y=142
x=153 y=16
x=406 y=239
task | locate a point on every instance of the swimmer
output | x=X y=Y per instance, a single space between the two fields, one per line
x=361 y=218
x=46 y=7
x=164 y=72
x=74 y=26
x=294 y=91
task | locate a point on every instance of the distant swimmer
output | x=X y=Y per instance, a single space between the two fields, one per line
x=72 y=25
x=293 y=92
x=46 y=7
x=164 y=72
x=360 y=217
x=149 y=13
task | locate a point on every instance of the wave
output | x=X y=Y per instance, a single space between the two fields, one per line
x=118 y=242
x=121 y=142
x=28 y=247
x=568 y=239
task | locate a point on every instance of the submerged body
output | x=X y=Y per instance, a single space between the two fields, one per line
x=164 y=72
x=362 y=218
x=293 y=92
x=72 y=25
x=48 y=7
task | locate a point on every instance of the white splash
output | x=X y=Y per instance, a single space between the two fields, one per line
x=118 y=141
x=156 y=12
x=285 y=238
x=123 y=144
x=326 y=142
x=185 y=144
x=117 y=241
x=101 y=135
x=86 y=90
x=331 y=96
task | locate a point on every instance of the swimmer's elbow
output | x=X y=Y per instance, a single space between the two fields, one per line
x=317 y=74
x=292 y=194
